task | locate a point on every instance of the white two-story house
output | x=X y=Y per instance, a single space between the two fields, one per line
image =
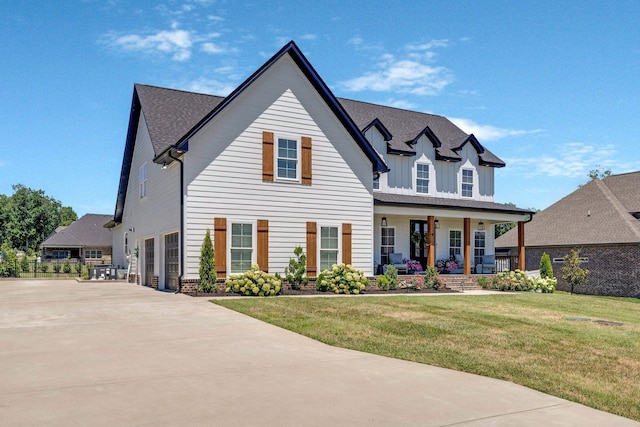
x=281 y=162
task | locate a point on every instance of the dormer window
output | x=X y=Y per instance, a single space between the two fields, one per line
x=467 y=183
x=422 y=178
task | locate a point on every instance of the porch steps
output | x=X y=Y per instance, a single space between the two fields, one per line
x=461 y=283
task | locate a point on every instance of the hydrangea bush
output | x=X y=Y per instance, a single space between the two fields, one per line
x=254 y=282
x=342 y=279
x=519 y=281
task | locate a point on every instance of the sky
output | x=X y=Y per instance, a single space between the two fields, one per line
x=551 y=87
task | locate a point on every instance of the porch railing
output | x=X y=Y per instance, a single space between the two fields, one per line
x=506 y=263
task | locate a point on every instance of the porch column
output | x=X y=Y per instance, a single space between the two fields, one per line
x=521 y=259
x=431 y=241
x=467 y=246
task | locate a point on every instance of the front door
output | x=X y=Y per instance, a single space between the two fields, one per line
x=149 y=260
x=419 y=231
x=171 y=263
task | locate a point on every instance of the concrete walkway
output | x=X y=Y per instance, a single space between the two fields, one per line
x=104 y=353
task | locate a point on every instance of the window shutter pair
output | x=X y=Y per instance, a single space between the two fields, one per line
x=268 y=158
x=220 y=246
x=312 y=247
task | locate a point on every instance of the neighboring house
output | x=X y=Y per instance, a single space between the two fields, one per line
x=281 y=162
x=601 y=220
x=85 y=239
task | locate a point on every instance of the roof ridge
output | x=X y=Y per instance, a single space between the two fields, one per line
x=618 y=206
x=395 y=108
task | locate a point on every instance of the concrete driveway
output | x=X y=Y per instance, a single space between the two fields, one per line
x=104 y=353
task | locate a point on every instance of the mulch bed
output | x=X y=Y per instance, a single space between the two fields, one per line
x=287 y=291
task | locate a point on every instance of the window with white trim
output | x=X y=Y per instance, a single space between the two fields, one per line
x=467 y=183
x=92 y=254
x=422 y=178
x=479 y=244
x=287 y=159
x=126 y=244
x=376 y=181
x=561 y=260
x=142 y=180
x=241 y=247
x=328 y=247
x=455 y=242
x=387 y=243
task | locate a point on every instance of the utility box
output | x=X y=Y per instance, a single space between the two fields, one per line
x=103 y=272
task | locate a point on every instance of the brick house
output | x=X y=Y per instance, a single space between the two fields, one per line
x=601 y=220
x=85 y=240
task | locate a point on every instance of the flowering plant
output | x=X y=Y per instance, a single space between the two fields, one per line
x=254 y=282
x=446 y=265
x=342 y=279
x=412 y=264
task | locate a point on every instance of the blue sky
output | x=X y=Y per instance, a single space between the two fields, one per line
x=551 y=87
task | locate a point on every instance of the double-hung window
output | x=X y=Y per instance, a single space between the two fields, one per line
x=287 y=160
x=328 y=247
x=387 y=243
x=467 y=183
x=241 y=247
x=142 y=180
x=455 y=242
x=92 y=254
x=422 y=178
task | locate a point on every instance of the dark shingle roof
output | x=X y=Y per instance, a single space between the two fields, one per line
x=87 y=231
x=600 y=212
x=407 y=126
x=442 y=203
x=170 y=114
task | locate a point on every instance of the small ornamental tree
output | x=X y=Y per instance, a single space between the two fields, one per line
x=546 y=269
x=571 y=270
x=207 y=282
x=296 y=271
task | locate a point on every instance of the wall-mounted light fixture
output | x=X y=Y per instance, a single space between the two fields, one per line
x=164 y=166
x=481 y=225
x=132 y=229
x=437 y=222
x=383 y=223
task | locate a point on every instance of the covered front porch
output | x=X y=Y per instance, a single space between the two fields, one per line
x=455 y=240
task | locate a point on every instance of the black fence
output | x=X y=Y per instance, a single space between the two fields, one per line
x=49 y=269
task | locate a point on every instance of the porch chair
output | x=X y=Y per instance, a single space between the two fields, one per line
x=488 y=265
x=395 y=259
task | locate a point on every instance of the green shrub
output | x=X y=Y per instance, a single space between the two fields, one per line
x=66 y=268
x=79 y=268
x=207 y=282
x=342 y=279
x=391 y=273
x=9 y=264
x=511 y=281
x=56 y=267
x=24 y=264
x=254 y=282
x=484 y=282
x=382 y=282
x=432 y=279
x=297 y=269
x=543 y=284
x=546 y=268
x=44 y=267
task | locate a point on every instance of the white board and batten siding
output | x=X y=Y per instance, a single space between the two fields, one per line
x=445 y=177
x=223 y=171
x=153 y=216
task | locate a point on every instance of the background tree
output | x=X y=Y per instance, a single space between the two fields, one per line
x=571 y=270
x=596 y=173
x=28 y=216
x=207 y=282
x=67 y=215
x=500 y=229
x=546 y=268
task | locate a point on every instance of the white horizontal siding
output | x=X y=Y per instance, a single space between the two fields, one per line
x=224 y=171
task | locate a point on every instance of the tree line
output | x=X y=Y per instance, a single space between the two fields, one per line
x=28 y=217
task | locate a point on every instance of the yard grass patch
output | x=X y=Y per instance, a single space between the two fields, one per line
x=525 y=338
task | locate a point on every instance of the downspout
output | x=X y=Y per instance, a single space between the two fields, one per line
x=181 y=221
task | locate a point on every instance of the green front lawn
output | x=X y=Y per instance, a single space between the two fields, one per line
x=531 y=339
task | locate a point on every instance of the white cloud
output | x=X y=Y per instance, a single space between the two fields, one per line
x=175 y=42
x=410 y=74
x=488 y=132
x=400 y=103
x=571 y=160
x=210 y=86
x=308 y=37
x=212 y=48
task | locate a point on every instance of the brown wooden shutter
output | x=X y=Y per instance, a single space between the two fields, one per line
x=263 y=245
x=306 y=160
x=220 y=246
x=312 y=264
x=346 y=243
x=267 y=156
